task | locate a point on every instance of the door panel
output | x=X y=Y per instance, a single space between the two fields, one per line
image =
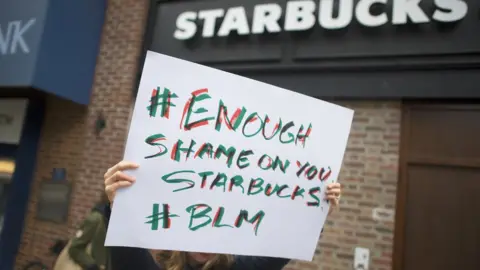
x=450 y=133
x=438 y=198
x=442 y=218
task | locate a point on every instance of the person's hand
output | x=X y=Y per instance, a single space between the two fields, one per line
x=115 y=178
x=333 y=193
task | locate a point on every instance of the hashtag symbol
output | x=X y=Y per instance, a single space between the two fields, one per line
x=162 y=100
x=157 y=216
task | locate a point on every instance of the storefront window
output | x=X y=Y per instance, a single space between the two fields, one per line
x=7 y=168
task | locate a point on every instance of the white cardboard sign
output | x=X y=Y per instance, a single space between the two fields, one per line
x=227 y=164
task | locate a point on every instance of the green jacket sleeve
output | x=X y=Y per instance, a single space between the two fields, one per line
x=83 y=237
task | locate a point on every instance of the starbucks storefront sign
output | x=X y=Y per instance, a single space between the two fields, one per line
x=306 y=14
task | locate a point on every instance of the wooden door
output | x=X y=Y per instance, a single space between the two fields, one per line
x=438 y=200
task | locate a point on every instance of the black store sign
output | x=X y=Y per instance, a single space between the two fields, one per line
x=332 y=48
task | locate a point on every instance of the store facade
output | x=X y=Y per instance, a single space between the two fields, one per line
x=47 y=49
x=410 y=70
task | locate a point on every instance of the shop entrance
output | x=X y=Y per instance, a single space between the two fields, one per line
x=7 y=167
x=438 y=200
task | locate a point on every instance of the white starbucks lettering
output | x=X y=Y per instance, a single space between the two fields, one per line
x=301 y=15
x=235 y=20
x=408 y=9
x=209 y=18
x=366 y=18
x=450 y=10
x=342 y=20
x=266 y=17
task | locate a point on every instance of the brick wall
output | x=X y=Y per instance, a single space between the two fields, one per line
x=61 y=143
x=115 y=79
x=68 y=139
x=369 y=178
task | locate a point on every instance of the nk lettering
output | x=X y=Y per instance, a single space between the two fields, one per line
x=12 y=37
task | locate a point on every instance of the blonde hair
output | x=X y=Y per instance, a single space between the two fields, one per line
x=177 y=260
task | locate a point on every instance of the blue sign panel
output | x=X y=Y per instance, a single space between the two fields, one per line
x=50 y=45
x=21 y=26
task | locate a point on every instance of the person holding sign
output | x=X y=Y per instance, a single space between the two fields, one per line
x=127 y=258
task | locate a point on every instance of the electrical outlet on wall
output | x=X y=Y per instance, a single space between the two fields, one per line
x=361 y=258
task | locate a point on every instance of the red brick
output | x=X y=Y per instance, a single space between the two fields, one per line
x=381 y=163
x=68 y=139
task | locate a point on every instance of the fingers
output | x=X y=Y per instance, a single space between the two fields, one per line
x=334 y=185
x=121 y=166
x=118 y=176
x=333 y=200
x=112 y=188
x=115 y=178
x=334 y=189
x=333 y=193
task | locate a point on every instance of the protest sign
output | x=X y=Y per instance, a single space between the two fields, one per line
x=227 y=164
